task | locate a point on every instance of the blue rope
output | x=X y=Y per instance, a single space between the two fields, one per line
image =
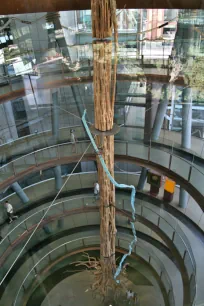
x=133 y=192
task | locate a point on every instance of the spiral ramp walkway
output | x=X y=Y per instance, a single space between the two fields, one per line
x=49 y=181
x=167 y=259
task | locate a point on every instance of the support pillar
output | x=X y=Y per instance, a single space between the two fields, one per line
x=186 y=134
x=172 y=107
x=147 y=131
x=20 y=192
x=148 y=114
x=142 y=180
x=11 y=132
x=58 y=177
x=161 y=111
x=55 y=117
x=185 y=47
x=183 y=198
x=186 y=118
x=55 y=133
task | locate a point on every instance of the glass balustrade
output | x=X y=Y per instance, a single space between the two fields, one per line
x=15 y=239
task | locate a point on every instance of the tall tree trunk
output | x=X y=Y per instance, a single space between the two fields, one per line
x=103 y=18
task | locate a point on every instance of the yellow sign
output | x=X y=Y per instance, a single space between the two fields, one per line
x=169 y=185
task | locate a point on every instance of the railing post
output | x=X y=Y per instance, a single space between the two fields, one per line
x=173 y=236
x=170 y=160
x=26 y=226
x=202 y=150
x=142 y=59
x=169 y=292
x=184 y=255
x=83 y=243
x=89 y=65
x=36 y=164
x=14 y=170
x=9 y=240
x=58 y=152
x=141 y=210
x=158 y=221
x=10 y=84
x=149 y=151
x=62 y=70
x=36 y=271
x=189 y=175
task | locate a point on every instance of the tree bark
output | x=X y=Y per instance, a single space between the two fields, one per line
x=104 y=88
x=107 y=214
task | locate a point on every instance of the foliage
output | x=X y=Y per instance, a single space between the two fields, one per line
x=177 y=67
x=194 y=73
x=11 y=53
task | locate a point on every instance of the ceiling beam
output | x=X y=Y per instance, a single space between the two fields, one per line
x=33 y=6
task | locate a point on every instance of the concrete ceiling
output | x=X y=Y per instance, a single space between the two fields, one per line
x=33 y=6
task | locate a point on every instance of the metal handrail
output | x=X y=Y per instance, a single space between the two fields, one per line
x=35 y=213
x=88 y=237
x=180 y=233
x=161 y=140
x=176 y=227
x=171 y=144
x=182 y=236
x=87 y=141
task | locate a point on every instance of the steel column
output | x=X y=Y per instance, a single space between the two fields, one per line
x=186 y=118
x=142 y=180
x=161 y=111
x=186 y=135
x=20 y=192
x=55 y=133
x=183 y=198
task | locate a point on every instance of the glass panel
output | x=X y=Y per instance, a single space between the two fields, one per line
x=37 y=59
x=193 y=288
x=142 y=253
x=150 y=215
x=6 y=171
x=138 y=150
x=166 y=228
x=155 y=264
x=188 y=263
x=196 y=180
x=165 y=281
x=159 y=157
x=45 y=155
x=180 y=166
x=179 y=244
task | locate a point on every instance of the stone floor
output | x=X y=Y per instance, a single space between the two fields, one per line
x=73 y=291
